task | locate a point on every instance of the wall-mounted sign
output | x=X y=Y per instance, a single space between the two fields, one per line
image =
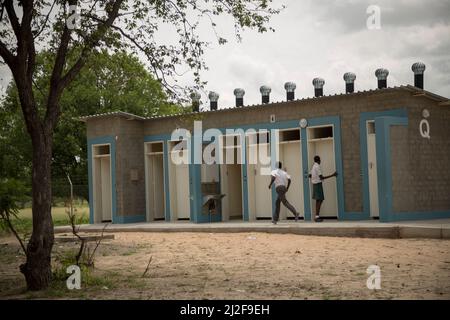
x=424 y=125
x=424 y=128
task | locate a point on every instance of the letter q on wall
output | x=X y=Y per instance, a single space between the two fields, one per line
x=424 y=125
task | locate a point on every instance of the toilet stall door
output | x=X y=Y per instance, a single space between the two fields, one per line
x=179 y=180
x=259 y=195
x=182 y=174
x=102 y=187
x=262 y=194
x=290 y=156
x=372 y=168
x=106 y=188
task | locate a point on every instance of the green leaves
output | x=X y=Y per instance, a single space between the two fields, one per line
x=109 y=82
x=12 y=191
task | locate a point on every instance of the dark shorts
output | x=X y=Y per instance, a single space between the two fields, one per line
x=318 y=192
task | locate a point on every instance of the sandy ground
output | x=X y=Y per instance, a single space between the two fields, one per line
x=255 y=266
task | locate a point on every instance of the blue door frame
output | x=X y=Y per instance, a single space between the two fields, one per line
x=111 y=141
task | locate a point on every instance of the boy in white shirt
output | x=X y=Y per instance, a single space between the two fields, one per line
x=316 y=179
x=282 y=183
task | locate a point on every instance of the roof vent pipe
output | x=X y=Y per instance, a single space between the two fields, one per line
x=418 y=68
x=195 y=96
x=265 y=94
x=213 y=97
x=239 y=93
x=290 y=90
x=382 y=75
x=349 y=78
x=318 y=84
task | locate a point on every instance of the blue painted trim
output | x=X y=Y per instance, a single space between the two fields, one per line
x=111 y=140
x=364 y=117
x=273 y=165
x=384 y=172
x=244 y=179
x=195 y=188
x=131 y=219
x=305 y=165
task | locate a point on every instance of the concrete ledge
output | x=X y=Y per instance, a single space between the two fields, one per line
x=327 y=229
x=421 y=232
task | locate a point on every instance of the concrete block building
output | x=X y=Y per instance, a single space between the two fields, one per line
x=390 y=147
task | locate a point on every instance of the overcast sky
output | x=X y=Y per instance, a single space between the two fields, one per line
x=321 y=38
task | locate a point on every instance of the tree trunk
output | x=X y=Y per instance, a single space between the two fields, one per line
x=37 y=269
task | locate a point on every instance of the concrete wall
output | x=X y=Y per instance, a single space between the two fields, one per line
x=130 y=157
x=421 y=167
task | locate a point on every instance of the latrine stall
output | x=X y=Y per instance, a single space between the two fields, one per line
x=231 y=178
x=154 y=178
x=258 y=162
x=290 y=155
x=102 y=191
x=321 y=143
x=179 y=180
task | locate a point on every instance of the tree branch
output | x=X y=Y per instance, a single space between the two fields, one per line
x=46 y=20
x=7 y=55
x=91 y=43
x=9 y=5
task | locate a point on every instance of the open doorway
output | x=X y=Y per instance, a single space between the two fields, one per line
x=321 y=143
x=231 y=178
x=179 y=180
x=258 y=175
x=154 y=173
x=102 y=183
x=290 y=154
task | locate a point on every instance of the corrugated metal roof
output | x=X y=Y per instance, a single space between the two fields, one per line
x=254 y=106
x=127 y=115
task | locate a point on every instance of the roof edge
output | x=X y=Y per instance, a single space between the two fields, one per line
x=124 y=114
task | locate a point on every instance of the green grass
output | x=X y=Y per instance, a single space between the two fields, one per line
x=24 y=223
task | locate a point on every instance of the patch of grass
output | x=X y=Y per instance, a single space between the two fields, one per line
x=24 y=221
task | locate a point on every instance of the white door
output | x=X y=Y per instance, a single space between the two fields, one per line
x=105 y=181
x=290 y=156
x=325 y=150
x=182 y=201
x=372 y=168
x=262 y=194
x=158 y=186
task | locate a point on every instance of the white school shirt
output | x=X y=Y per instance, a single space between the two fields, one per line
x=281 y=177
x=316 y=172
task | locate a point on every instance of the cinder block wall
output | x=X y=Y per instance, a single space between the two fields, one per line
x=129 y=156
x=348 y=107
x=421 y=167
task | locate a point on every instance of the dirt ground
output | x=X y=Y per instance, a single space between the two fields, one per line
x=248 y=266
